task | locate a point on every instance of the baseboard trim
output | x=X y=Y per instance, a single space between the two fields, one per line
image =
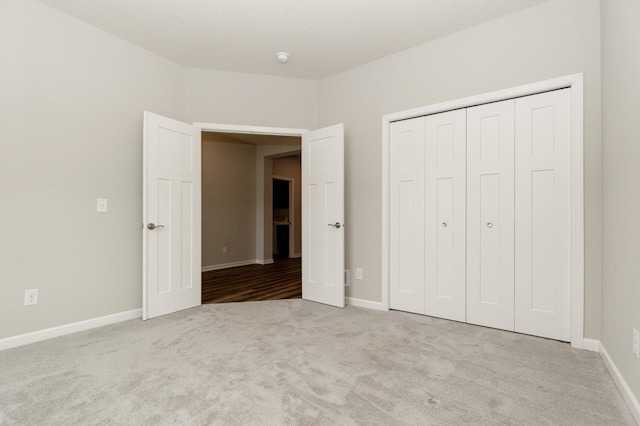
x=362 y=303
x=591 y=345
x=621 y=383
x=296 y=255
x=62 y=330
x=229 y=265
x=264 y=261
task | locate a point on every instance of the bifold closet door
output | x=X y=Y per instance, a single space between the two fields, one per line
x=490 y=216
x=542 y=231
x=406 y=266
x=445 y=214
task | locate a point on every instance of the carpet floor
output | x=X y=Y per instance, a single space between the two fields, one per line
x=293 y=362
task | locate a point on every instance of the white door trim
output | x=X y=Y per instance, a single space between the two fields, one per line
x=575 y=82
x=256 y=130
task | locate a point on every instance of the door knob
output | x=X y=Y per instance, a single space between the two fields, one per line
x=336 y=225
x=489 y=225
x=444 y=224
x=153 y=226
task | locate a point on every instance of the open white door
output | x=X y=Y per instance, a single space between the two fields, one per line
x=323 y=215
x=171 y=216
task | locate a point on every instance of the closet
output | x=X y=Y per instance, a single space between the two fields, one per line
x=480 y=215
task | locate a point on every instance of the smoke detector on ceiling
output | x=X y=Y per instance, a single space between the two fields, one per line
x=282 y=57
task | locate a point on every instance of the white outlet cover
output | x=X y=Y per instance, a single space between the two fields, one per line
x=359 y=274
x=31 y=297
x=636 y=343
x=101 y=205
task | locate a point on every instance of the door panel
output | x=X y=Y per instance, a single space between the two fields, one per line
x=322 y=206
x=490 y=217
x=407 y=216
x=445 y=214
x=171 y=200
x=542 y=250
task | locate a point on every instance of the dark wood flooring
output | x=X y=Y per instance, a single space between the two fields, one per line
x=279 y=280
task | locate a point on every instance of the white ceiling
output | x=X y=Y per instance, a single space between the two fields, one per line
x=323 y=37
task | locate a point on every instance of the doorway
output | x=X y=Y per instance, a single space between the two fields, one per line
x=283 y=209
x=248 y=180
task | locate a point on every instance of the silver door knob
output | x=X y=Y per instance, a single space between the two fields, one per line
x=489 y=225
x=153 y=226
x=444 y=224
x=336 y=225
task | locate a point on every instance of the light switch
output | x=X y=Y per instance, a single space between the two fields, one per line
x=101 y=205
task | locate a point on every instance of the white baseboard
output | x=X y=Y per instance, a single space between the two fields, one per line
x=263 y=261
x=591 y=345
x=48 y=333
x=296 y=255
x=229 y=265
x=621 y=383
x=362 y=303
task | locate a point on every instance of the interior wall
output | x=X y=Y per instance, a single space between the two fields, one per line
x=250 y=99
x=556 y=38
x=71 y=105
x=291 y=167
x=264 y=197
x=228 y=202
x=621 y=180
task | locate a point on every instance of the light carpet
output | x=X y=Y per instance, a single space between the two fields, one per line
x=295 y=362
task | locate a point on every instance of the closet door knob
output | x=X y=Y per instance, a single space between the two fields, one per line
x=444 y=224
x=489 y=225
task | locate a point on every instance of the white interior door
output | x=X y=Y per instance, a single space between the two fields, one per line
x=445 y=214
x=171 y=215
x=490 y=217
x=542 y=232
x=406 y=236
x=323 y=215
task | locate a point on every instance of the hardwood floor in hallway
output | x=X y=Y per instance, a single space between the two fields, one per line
x=279 y=280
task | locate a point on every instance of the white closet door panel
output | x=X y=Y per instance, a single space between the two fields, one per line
x=407 y=216
x=445 y=214
x=490 y=217
x=542 y=268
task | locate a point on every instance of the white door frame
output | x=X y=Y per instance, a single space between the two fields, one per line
x=575 y=82
x=292 y=211
x=255 y=130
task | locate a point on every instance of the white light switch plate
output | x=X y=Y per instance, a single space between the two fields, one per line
x=101 y=205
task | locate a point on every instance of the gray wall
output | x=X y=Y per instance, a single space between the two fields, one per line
x=250 y=99
x=228 y=202
x=71 y=105
x=621 y=183
x=551 y=40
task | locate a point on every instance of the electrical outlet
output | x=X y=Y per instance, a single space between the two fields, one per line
x=359 y=274
x=347 y=278
x=31 y=297
x=224 y=250
x=636 y=343
x=101 y=205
